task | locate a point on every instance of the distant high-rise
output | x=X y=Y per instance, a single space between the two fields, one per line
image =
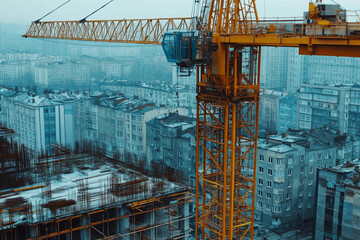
x=274 y=68
x=62 y=75
x=284 y=69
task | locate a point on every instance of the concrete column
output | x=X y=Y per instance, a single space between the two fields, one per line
x=185 y=224
x=123 y=224
x=151 y=219
x=85 y=233
x=34 y=231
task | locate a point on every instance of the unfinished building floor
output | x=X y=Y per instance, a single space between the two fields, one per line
x=81 y=196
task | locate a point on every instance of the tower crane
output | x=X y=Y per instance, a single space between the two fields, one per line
x=223 y=41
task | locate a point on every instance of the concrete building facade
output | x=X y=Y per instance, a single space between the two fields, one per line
x=338 y=202
x=171 y=141
x=269 y=110
x=320 y=105
x=287 y=113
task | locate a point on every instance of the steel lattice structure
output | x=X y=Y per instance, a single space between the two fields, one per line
x=227 y=116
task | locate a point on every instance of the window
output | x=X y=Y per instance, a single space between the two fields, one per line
x=260 y=193
x=269 y=172
x=262 y=158
x=310 y=182
x=309 y=193
x=269 y=184
x=289 y=184
x=278 y=161
x=260 y=181
x=261 y=169
x=270 y=160
x=268 y=195
x=276 y=209
x=288 y=196
x=302 y=158
x=267 y=207
x=290 y=160
x=311 y=170
x=301 y=193
x=289 y=172
x=300 y=205
x=260 y=204
x=309 y=205
x=330 y=185
x=287 y=207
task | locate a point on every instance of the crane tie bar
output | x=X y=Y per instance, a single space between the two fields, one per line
x=84 y=19
x=37 y=21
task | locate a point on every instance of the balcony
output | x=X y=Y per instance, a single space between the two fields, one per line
x=279 y=179
x=278 y=191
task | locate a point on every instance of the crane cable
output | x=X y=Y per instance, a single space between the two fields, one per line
x=84 y=19
x=37 y=21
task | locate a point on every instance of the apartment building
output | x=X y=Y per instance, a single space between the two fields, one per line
x=269 y=110
x=337 y=107
x=40 y=121
x=338 y=202
x=171 y=141
x=286 y=174
x=161 y=96
x=15 y=73
x=62 y=75
x=117 y=124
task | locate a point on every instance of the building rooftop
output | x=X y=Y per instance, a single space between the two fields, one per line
x=348 y=174
x=34 y=100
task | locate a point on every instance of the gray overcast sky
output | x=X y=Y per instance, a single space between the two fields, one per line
x=24 y=11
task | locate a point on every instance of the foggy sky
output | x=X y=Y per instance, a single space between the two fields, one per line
x=25 y=11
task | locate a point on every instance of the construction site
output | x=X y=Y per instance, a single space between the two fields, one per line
x=87 y=196
x=111 y=192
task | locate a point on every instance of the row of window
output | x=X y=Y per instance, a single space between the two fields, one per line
x=278 y=209
x=288 y=195
x=271 y=160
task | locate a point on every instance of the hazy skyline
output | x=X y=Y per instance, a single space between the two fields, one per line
x=24 y=12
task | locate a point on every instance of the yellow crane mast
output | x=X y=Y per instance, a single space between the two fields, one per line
x=224 y=43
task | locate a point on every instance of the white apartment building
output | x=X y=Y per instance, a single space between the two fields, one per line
x=40 y=122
